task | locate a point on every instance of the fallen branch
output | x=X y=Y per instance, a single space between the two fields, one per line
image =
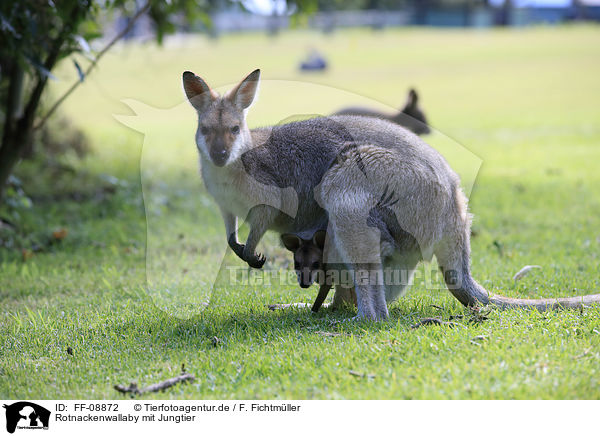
x=585 y=353
x=274 y=307
x=134 y=390
x=331 y=334
x=361 y=374
x=524 y=271
x=435 y=321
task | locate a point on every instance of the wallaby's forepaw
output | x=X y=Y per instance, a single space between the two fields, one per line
x=256 y=261
x=237 y=248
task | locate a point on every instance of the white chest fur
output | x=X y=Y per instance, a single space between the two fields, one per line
x=237 y=192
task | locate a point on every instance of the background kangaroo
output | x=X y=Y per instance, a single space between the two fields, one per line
x=411 y=116
x=342 y=168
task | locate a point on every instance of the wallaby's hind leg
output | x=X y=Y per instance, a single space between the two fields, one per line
x=398 y=271
x=359 y=246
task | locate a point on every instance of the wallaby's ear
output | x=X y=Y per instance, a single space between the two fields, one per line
x=290 y=241
x=197 y=91
x=413 y=98
x=319 y=238
x=243 y=94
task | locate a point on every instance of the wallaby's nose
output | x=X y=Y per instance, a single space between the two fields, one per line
x=219 y=156
x=304 y=278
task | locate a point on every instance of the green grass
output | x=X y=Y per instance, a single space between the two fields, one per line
x=524 y=101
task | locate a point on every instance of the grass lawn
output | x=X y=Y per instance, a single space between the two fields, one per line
x=123 y=291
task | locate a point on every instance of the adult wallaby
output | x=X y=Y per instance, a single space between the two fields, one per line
x=410 y=116
x=362 y=174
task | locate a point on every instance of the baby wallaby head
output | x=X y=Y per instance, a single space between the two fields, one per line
x=222 y=134
x=308 y=255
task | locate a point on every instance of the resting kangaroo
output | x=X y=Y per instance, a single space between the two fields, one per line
x=365 y=175
x=410 y=116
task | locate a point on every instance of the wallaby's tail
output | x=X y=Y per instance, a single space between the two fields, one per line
x=542 y=304
x=453 y=256
x=462 y=285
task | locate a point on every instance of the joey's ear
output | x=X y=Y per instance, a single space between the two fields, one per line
x=319 y=238
x=197 y=91
x=412 y=99
x=243 y=94
x=290 y=241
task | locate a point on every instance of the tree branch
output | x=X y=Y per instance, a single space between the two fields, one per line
x=13 y=99
x=120 y=35
x=28 y=116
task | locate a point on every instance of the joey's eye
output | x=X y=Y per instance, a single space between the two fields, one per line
x=235 y=130
x=204 y=130
x=315 y=265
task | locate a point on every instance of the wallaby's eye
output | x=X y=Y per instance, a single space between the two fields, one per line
x=235 y=130
x=296 y=265
x=315 y=265
x=204 y=130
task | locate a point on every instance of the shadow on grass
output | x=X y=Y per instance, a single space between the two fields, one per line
x=219 y=326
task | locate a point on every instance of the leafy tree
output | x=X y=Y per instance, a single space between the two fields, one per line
x=36 y=34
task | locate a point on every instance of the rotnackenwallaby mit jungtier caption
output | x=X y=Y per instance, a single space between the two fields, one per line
x=338 y=168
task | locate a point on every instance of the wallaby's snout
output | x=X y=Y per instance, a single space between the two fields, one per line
x=308 y=256
x=220 y=140
x=222 y=134
x=305 y=277
x=219 y=156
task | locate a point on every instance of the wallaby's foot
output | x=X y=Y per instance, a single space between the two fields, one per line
x=256 y=260
x=286 y=306
x=370 y=317
x=370 y=313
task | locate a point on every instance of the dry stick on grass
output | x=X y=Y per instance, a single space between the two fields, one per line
x=134 y=390
x=361 y=374
x=101 y=53
x=331 y=334
x=435 y=321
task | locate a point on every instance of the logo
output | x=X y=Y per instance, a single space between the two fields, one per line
x=26 y=415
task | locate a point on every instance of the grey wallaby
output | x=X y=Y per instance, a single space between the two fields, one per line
x=363 y=176
x=411 y=116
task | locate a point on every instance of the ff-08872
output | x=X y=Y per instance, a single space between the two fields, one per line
x=97 y=407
